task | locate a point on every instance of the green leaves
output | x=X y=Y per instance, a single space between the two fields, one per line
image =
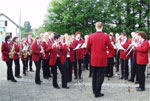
x=69 y=16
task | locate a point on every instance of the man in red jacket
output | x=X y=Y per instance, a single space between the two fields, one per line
x=141 y=59
x=97 y=44
x=57 y=59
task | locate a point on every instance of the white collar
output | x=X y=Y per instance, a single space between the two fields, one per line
x=99 y=30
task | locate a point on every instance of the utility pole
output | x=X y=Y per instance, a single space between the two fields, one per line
x=19 y=27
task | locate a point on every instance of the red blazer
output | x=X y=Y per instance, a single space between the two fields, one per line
x=142 y=53
x=125 y=46
x=16 y=56
x=97 y=43
x=53 y=56
x=5 y=51
x=36 y=52
x=110 y=53
x=22 y=56
x=46 y=50
x=27 y=42
x=72 y=52
x=51 y=41
x=80 y=52
x=63 y=53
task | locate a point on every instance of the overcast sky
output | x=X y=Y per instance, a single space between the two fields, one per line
x=31 y=10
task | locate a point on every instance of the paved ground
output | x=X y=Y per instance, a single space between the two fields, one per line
x=26 y=90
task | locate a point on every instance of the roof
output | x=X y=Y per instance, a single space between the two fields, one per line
x=9 y=19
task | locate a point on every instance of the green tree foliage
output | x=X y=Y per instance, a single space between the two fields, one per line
x=26 y=29
x=69 y=16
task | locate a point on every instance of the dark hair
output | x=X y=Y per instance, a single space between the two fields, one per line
x=7 y=37
x=13 y=40
x=29 y=34
x=124 y=34
x=142 y=34
x=56 y=36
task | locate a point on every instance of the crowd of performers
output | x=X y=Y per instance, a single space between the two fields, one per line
x=68 y=53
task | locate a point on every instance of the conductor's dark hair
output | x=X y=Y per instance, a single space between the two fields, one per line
x=56 y=36
x=7 y=37
x=14 y=39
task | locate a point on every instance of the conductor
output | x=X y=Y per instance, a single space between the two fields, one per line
x=96 y=45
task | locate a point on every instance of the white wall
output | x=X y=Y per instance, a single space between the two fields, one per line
x=10 y=26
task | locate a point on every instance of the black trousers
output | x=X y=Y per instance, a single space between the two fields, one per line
x=117 y=60
x=109 y=68
x=86 y=61
x=46 y=69
x=17 y=67
x=62 y=71
x=24 y=65
x=68 y=66
x=134 y=70
x=91 y=71
x=124 y=68
x=97 y=80
x=30 y=63
x=77 y=68
x=9 y=70
x=37 y=73
x=141 y=75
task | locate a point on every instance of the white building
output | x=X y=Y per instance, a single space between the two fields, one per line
x=8 y=26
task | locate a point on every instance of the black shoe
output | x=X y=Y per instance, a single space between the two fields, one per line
x=80 y=78
x=13 y=80
x=140 y=89
x=8 y=79
x=121 y=78
x=126 y=78
x=24 y=74
x=137 y=88
x=131 y=80
x=39 y=83
x=66 y=87
x=136 y=82
x=99 y=95
x=31 y=70
x=57 y=87
x=46 y=78
x=18 y=76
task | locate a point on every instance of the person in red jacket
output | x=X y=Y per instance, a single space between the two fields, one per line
x=29 y=42
x=124 y=58
x=96 y=45
x=110 y=59
x=6 y=49
x=141 y=59
x=36 y=57
x=58 y=53
x=79 y=53
x=72 y=56
x=24 y=58
x=16 y=57
x=45 y=58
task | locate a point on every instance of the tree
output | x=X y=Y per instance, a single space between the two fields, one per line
x=26 y=29
x=69 y=16
x=27 y=26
